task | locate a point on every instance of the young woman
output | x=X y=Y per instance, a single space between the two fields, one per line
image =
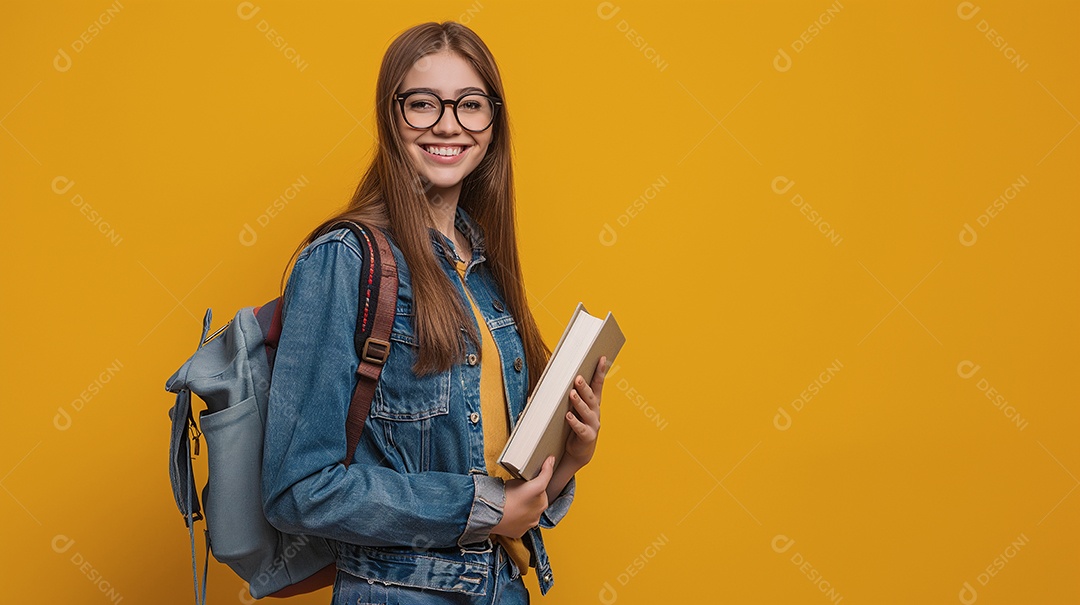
x=424 y=513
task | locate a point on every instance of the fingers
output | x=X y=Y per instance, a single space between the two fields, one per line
x=588 y=413
x=591 y=392
x=526 y=501
x=602 y=368
x=585 y=402
x=577 y=425
x=540 y=481
x=584 y=391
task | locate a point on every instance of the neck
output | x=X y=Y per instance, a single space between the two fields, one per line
x=443 y=203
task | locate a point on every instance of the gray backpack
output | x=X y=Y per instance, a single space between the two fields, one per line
x=231 y=371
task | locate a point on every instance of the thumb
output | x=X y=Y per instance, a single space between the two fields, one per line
x=546 y=471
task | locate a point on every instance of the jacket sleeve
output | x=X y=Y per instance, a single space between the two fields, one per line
x=558 y=508
x=305 y=487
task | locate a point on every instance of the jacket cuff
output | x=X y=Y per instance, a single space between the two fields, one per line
x=487 y=509
x=557 y=509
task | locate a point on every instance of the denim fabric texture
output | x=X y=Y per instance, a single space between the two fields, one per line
x=416 y=506
x=504 y=586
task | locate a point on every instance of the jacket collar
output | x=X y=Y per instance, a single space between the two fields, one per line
x=444 y=246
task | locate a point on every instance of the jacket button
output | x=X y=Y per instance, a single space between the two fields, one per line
x=498 y=306
x=474 y=417
x=518 y=364
x=471 y=359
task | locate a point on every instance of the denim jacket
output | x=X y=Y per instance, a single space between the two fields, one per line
x=416 y=505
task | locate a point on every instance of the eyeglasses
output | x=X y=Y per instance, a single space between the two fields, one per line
x=475 y=112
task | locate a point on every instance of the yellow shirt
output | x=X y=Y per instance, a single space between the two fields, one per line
x=495 y=420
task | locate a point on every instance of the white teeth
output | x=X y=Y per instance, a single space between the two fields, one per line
x=444 y=151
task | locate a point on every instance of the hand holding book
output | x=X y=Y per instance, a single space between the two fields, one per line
x=525 y=502
x=556 y=434
x=581 y=444
x=562 y=416
x=523 y=505
x=584 y=418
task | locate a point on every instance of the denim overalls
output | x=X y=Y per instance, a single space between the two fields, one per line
x=415 y=508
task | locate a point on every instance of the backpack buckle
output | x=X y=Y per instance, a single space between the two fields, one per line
x=375 y=351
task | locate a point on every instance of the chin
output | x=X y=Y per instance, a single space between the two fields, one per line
x=443 y=177
x=442 y=181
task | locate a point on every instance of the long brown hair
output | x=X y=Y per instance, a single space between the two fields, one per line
x=392 y=194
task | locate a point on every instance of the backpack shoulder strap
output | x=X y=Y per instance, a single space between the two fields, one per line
x=375 y=318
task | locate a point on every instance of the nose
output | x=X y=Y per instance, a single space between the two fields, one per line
x=448 y=123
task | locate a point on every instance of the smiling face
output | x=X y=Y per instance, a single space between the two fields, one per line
x=445 y=153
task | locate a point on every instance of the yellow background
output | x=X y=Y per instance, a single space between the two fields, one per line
x=648 y=168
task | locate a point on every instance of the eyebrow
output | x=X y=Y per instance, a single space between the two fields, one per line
x=459 y=92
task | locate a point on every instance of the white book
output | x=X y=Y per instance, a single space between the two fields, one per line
x=542 y=428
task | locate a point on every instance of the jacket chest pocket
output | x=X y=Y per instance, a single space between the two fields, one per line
x=406 y=406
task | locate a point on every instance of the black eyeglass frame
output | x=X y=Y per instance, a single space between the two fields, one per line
x=496 y=103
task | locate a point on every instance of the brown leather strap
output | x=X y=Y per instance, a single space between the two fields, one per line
x=377 y=347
